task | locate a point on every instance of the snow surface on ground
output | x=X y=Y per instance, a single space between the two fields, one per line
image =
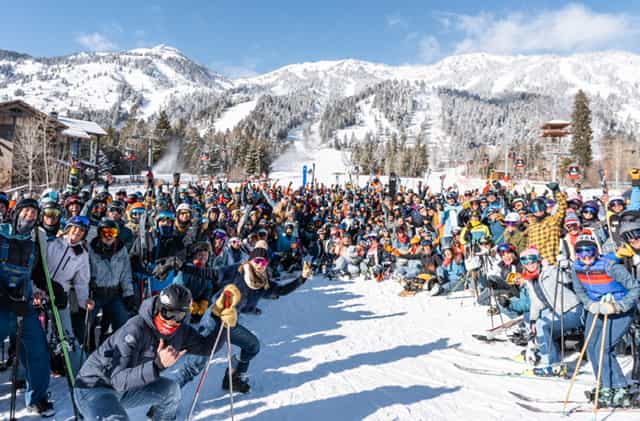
x=355 y=350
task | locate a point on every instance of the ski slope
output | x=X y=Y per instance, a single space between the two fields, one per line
x=355 y=350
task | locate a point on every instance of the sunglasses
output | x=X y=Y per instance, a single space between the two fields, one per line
x=260 y=261
x=631 y=235
x=51 y=212
x=586 y=251
x=109 y=232
x=572 y=226
x=116 y=209
x=529 y=259
x=176 y=315
x=234 y=242
x=511 y=224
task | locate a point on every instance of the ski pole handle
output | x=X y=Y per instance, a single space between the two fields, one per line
x=227 y=299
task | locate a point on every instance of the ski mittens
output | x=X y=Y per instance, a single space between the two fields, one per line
x=307 y=271
x=604 y=307
x=554 y=187
x=62 y=300
x=229 y=316
x=198 y=308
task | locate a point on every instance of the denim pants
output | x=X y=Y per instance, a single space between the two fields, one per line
x=104 y=403
x=191 y=365
x=617 y=326
x=34 y=353
x=547 y=341
x=113 y=311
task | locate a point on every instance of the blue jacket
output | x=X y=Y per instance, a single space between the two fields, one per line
x=521 y=304
x=606 y=276
x=126 y=359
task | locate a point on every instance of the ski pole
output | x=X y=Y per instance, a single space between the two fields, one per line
x=555 y=301
x=227 y=304
x=203 y=376
x=603 y=338
x=580 y=357
x=85 y=344
x=14 y=370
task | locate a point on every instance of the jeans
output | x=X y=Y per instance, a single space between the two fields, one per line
x=191 y=365
x=617 y=326
x=104 y=403
x=113 y=311
x=34 y=353
x=411 y=270
x=548 y=348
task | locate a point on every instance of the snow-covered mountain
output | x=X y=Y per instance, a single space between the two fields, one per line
x=144 y=77
x=111 y=85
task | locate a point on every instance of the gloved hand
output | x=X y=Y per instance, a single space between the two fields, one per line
x=563 y=262
x=635 y=177
x=554 y=187
x=625 y=251
x=236 y=296
x=307 y=271
x=130 y=303
x=18 y=306
x=635 y=260
x=174 y=262
x=161 y=270
x=609 y=308
x=504 y=300
x=229 y=317
x=199 y=307
x=61 y=296
x=531 y=355
x=594 y=308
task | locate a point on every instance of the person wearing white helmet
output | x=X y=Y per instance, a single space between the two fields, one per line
x=512 y=233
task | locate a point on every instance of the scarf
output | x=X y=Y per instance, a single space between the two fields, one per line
x=253 y=279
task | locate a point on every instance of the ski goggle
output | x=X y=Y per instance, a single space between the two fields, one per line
x=572 y=226
x=234 y=241
x=505 y=248
x=617 y=202
x=109 y=232
x=511 y=223
x=525 y=260
x=260 y=261
x=176 y=315
x=589 y=209
x=51 y=212
x=80 y=221
x=586 y=251
x=137 y=212
x=631 y=235
x=116 y=209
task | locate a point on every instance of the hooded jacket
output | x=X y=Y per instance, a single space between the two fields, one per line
x=69 y=266
x=126 y=359
x=111 y=268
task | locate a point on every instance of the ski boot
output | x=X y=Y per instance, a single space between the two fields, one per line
x=43 y=407
x=238 y=380
x=611 y=398
x=559 y=370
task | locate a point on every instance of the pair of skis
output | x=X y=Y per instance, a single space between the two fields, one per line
x=533 y=404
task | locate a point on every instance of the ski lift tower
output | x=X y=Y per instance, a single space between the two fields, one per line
x=554 y=132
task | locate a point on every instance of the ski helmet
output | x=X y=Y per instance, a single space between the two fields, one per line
x=538 y=205
x=629 y=231
x=512 y=217
x=183 y=207
x=616 y=200
x=174 y=303
x=73 y=200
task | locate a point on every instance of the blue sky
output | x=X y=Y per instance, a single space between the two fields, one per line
x=241 y=38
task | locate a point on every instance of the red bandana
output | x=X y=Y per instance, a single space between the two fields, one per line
x=163 y=327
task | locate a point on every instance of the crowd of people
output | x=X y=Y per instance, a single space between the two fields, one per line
x=144 y=282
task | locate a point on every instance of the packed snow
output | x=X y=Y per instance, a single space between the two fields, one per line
x=355 y=350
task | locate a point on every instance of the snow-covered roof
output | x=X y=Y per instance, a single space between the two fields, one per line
x=77 y=133
x=88 y=128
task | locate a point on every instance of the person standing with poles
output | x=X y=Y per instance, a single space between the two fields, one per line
x=605 y=288
x=19 y=264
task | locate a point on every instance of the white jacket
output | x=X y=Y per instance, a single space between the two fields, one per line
x=68 y=268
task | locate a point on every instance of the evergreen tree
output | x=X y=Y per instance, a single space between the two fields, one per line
x=581 y=128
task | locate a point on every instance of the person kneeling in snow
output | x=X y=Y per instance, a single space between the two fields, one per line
x=125 y=370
